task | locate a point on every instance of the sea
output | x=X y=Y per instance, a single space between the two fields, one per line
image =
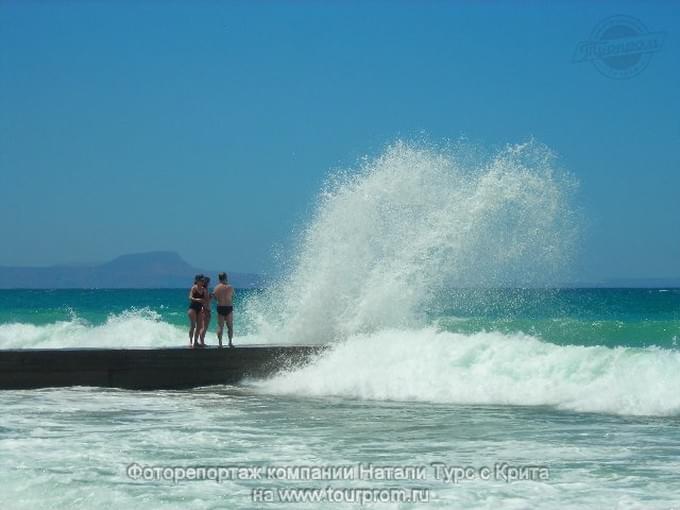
x=458 y=374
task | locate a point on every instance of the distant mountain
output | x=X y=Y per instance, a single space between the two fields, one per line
x=159 y=269
x=626 y=283
x=652 y=283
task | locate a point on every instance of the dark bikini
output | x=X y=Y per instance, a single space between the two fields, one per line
x=195 y=305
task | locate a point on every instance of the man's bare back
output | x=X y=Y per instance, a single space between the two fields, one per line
x=224 y=293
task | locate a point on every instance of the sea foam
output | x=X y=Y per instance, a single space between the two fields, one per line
x=490 y=368
x=132 y=328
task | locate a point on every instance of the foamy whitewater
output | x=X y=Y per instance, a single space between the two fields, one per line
x=432 y=274
x=491 y=368
x=131 y=328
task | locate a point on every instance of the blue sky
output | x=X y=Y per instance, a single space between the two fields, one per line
x=124 y=125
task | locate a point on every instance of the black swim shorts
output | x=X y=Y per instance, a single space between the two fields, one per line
x=224 y=310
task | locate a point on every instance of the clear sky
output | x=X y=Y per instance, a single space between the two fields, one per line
x=124 y=125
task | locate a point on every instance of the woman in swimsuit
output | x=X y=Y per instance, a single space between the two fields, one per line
x=206 y=312
x=194 y=312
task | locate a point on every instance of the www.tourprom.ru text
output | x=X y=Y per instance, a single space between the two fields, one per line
x=360 y=495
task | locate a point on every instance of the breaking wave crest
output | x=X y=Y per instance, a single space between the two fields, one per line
x=132 y=328
x=490 y=368
x=388 y=237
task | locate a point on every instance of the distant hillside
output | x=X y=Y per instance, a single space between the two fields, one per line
x=653 y=283
x=625 y=283
x=140 y=270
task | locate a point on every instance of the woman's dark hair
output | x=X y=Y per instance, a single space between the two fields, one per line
x=198 y=278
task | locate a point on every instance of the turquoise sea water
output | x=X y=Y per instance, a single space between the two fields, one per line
x=581 y=382
x=607 y=317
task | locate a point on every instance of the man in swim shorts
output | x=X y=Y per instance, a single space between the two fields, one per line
x=224 y=293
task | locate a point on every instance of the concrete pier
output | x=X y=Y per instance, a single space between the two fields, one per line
x=145 y=369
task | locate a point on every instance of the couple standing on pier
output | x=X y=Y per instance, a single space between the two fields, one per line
x=199 y=309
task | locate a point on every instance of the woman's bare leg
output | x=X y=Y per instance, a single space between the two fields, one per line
x=192 y=326
x=204 y=327
x=199 y=325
